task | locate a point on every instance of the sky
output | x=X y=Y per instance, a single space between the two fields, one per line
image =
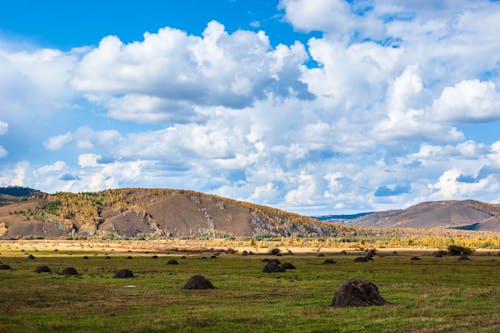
x=312 y=106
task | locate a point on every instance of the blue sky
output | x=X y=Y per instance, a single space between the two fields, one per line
x=318 y=106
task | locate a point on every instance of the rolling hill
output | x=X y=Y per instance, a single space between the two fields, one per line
x=150 y=213
x=460 y=215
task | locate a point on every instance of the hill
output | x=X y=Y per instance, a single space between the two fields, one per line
x=13 y=194
x=152 y=213
x=460 y=215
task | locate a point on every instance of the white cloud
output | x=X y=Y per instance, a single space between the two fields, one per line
x=323 y=15
x=381 y=110
x=34 y=82
x=88 y=160
x=304 y=193
x=468 y=101
x=3 y=152
x=3 y=127
x=58 y=141
x=449 y=187
x=84 y=138
x=163 y=77
x=335 y=17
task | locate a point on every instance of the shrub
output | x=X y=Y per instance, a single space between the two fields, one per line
x=456 y=250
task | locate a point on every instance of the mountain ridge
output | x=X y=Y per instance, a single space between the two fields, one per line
x=447 y=214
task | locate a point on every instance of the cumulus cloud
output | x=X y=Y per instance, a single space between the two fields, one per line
x=3 y=127
x=164 y=76
x=3 y=152
x=468 y=101
x=34 y=82
x=84 y=138
x=58 y=141
x=335 y=17
x=366 y=116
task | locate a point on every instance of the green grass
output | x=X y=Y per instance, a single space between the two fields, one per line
x=430 y=295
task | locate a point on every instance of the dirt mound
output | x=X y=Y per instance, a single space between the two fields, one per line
x=31 y=256
x=43 y=269
x=172 y=262
x=321 y=254
x=123 y=274
x=329 y=262
x=70 y=271
x=356 y=292
x=287 y=265
x=198 y=282
x=371 y=253
x=361 y=259
x=463 y=257
x=154 y=257
x=5 y=267
x=273 y=267
x=85 y=257
x=415 y=258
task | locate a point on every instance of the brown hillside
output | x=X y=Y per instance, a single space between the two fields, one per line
x=466 y=215
x=154 y=213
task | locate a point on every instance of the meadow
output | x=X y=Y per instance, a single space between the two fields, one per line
x=428 y=295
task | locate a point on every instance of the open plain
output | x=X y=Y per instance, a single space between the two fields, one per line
x=434 y=294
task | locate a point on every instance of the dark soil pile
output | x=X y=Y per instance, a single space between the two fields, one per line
x=273 y=267
x=371 y=253
x=172 y=262
x=356 y=292
x=85 y=257
x=463 y=257
x=321 y=254
x=329 y=262
x=69 y=271
x=415 y=258
x=5 y=267
x=198 y=282
x=43 y=269
x=123 y=274
x=154 y=257
x=287 y=265
x=31 y=256
x=361 y=259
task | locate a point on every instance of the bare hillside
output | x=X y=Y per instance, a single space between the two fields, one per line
x=462 y=215
x=153 y=213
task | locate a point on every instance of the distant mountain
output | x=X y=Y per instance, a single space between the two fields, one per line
x=460 y=215
x=149 y=213
x=13 y=194
x=340 y=217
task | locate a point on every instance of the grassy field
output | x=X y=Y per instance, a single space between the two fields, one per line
x=430 y=295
